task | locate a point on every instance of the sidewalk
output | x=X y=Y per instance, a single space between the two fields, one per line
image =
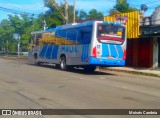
x=141 y=71
x=12 y=56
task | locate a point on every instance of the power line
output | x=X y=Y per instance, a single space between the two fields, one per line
x=18 y=5
x=9 y=2
x=147 y=3
x=16 y=11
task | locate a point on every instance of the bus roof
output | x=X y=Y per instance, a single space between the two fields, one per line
x=89 y=23
x=37 y=32
x=75 y=25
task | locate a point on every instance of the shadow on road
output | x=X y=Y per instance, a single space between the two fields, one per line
x=78 y=71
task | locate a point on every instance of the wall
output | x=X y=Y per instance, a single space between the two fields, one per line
x=156 y=16
x=145 y=52
x=155 y=52
x=132 y=52
x=140 y=52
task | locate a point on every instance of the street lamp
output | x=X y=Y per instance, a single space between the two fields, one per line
x=3 y=47
x=7 y=47
x=18 y=46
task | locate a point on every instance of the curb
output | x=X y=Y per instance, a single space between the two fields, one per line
x=10 y=57
x=130 y=71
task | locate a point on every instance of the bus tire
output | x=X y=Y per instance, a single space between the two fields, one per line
x=57 y=65
x=38 y=63
x=35 y=60
x=89 y=69
x=70 y=68
x=63 y=65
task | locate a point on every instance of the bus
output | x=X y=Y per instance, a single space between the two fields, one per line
x=80 y=45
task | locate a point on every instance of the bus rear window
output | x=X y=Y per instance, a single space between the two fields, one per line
x=110 y=33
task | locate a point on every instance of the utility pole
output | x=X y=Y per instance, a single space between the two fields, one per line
x=18 y=49
x=3 y=47
x=18 y=46
x=7 y=47
x=44 y=25
x=65 y=16
x=66 y=11
x=74 y=12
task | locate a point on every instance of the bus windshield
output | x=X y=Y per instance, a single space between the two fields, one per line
x=110 y=33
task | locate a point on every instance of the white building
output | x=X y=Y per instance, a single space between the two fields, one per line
x=156 y=16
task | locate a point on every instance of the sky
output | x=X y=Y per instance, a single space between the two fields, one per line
x=37 y=6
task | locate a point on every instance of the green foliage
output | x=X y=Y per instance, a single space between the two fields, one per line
x=83 y=15
x=121 y=6
x=49 y=3
x=92 y=15
x=22 y=25
x=54 y=18
x=6 y=37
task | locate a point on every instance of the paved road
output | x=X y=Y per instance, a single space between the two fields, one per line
x=23 y=85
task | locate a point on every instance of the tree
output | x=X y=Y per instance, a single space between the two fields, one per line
x=22 y=25
x=17 y=27
x=121 y=6
x=82 y=16
x=6 y=37
x=53 y=4
x=17 y=23
x=55 y=15
x=94 y=14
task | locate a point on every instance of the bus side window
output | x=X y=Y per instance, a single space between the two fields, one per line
x=84 y=35
x=33 y=39
x=38 y=36
x=61 y=33
x=87 y=35
x=79 y=35
x=72 y=34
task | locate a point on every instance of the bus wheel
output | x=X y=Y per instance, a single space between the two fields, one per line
x=57 y=65
x=35 y=60
x=70 y=68
x=38 y=63
x=63 y=65
x=89 y=69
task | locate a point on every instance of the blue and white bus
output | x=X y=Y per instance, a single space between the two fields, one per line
x=85 y=45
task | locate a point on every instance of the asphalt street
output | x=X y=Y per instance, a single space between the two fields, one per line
x=26 y=86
